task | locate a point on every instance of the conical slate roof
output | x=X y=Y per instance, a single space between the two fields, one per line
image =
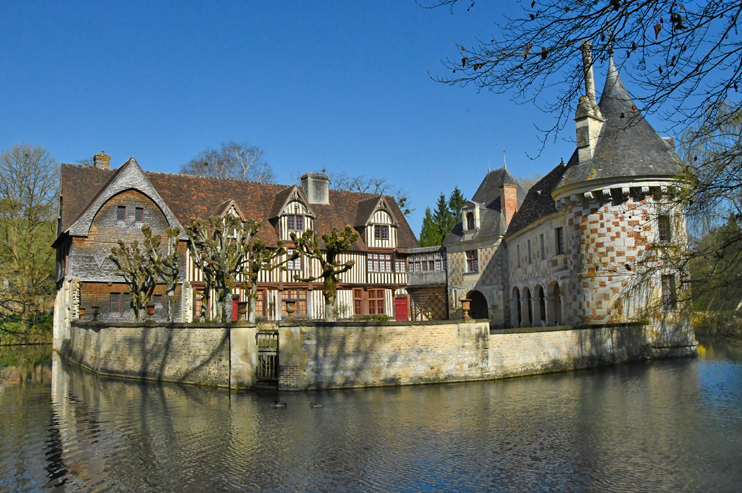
x=628 y=146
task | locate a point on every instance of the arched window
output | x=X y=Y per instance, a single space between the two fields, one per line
x=469 y=220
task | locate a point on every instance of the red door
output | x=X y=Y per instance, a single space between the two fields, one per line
x=235 y=313
x=400 y=309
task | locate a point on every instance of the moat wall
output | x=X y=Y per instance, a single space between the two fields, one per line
x=315 y=355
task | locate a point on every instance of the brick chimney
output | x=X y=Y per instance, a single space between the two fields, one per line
x=508 y=201
x=101 y=161
x=316 y=187
x=588 y=117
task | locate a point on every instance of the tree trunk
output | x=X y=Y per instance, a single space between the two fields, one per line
x=251 y=302
x=330 y=293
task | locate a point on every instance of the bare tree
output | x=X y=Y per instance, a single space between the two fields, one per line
x=686 y=58
x=166 y=263
x=28 y=184
x=220 y=250
x=335 y=243
x=260 y=259
x=232 y=161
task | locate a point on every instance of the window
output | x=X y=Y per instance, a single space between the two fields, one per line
x=399 y=265
x=293 y=264
x=376 y=302
x=157 y=300
x=260 y=303
x=530 y=258
x=517 y=254
x=379 y=262
x=120 y=303
x=472 y=261
x=139 y=215
x=295 y=223
x=559 y=240
x=198 y=297
x=543 y=250
x=357 y=302
x=121 y=213
x=669 y=300
x=469 y=221
x=424 y=262
x=381 y=232
x=300 y=295
x=663 y=223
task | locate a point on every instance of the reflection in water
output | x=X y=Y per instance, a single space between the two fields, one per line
x=664 y=425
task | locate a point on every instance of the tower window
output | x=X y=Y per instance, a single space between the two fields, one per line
x=663 y=224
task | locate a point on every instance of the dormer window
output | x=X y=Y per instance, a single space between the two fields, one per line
x=295 y=223
x=381 y=232
x=469 y=221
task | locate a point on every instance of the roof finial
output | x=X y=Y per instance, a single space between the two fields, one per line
x=488 y=165
x=504 y=161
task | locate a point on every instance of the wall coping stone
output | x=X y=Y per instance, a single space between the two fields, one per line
x=560 y=328
x=166 y=325
x=376 y=323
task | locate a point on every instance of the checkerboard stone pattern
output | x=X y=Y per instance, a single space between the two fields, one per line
x=428 y=304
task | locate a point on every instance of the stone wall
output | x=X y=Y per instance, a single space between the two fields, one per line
x=322 y=355
x=316 y=355
x=516 y=352
x=185 y=353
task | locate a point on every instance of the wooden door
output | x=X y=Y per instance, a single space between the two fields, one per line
x=401 y=309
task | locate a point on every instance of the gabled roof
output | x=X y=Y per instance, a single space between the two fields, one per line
x=491 y=218
x=366 y=208
x=196 y=196
x=225 y=207
x=538 y=201
x=286 y=196
x=128 y=176
x=628 y=146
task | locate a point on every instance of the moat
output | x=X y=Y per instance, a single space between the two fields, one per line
x=664 y=425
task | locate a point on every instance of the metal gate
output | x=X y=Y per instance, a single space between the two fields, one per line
x=267 y=342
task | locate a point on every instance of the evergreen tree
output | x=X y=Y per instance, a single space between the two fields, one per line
x=429 y=234
x=456 y=203
x=443 y=217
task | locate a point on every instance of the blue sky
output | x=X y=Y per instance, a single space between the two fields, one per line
x=341 y=85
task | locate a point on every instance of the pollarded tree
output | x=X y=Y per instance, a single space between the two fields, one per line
x=220 y=250
x=137 y=267
x=334 y=244
x=166 y=263
x=261 y=258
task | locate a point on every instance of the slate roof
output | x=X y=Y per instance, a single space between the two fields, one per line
x=491 y=219
x=538 y=201
x=628 y=146
x=195 y=196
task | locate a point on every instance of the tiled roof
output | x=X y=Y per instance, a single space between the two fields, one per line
x=195 y=196
x=628 y=146
x=538 y=202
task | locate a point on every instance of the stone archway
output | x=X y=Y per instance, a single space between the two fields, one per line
x=527 y=318
x=541 y=315
x=516 y=315
x=554 y=301
x=479 y=307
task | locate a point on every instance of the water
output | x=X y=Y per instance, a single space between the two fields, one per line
x=673 y=425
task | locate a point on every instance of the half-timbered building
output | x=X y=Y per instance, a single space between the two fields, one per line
x=99 y=206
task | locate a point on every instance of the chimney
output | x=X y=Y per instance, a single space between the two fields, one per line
x=508 y=201
x=589 y=120
x=101 y=161
x=316 y=187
